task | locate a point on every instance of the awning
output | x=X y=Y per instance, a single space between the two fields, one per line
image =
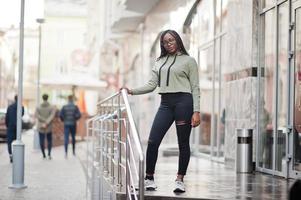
x=69 y=82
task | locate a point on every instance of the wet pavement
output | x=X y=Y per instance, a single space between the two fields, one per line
x=62 y=178
x=211 y=180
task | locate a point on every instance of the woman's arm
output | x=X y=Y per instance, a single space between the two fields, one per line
x=194 y=83
x=148 y=87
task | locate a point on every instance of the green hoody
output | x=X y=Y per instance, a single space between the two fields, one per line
x=174 y=73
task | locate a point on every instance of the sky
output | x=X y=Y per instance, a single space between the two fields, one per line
x=10 y=12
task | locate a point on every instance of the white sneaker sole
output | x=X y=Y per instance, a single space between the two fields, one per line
x=150 y=188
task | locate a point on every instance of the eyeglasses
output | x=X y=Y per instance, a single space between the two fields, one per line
x=169 y=42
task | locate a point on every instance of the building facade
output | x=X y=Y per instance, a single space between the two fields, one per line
x=249 y=58
x=8 y=64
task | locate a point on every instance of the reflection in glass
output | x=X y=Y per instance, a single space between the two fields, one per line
x=206 y=21
x=206 y=58
x=224 y=14
x=215 y=98
x=282 y=84
x=211 y=61
x=267 y=97
x=267 y=3
x=297 y=110
x=222 y=104
x=218 y=16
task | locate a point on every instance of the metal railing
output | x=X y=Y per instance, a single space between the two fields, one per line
x=115 y=160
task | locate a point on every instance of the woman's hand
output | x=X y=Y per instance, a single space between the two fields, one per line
x=195 y=119
x=127 y=90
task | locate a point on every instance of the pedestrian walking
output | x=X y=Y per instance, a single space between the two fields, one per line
x=69 y=115
x=176 y=74
x=11 y=124
x=45 y=114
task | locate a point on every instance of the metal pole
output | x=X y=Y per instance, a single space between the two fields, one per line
x=18 y=145
x=39 y=66
x=40 y=21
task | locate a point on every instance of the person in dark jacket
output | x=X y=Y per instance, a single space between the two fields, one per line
x=69 y=115
x=11 y=124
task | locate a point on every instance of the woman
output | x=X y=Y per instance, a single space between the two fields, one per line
x=176 y=75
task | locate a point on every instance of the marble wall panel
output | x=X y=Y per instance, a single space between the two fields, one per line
x=240 y=111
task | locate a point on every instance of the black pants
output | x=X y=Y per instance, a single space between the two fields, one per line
x=69 y=129
x=49 y=142
x=176 y=107
x=11 y=136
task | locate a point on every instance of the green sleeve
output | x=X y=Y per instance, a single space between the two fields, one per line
x=194 y=83
x=149 y=86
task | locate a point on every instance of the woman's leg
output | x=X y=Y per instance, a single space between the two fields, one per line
x=163 y=120
x=183 y=114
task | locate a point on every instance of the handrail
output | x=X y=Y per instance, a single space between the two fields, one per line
x=137 y=142
x=111 y=131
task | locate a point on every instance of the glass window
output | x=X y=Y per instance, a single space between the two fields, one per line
x=218 y=15
x=267 y=91
x=282 y=82
x=206 y=21
x=221 y=93
x=206 y=61
x=267 y=3
x=297 y=108
x=224 y=14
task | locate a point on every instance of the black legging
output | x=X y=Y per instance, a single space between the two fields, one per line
x=176 y=107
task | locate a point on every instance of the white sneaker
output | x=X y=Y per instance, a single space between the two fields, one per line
x=179 y=187
x=150 y=185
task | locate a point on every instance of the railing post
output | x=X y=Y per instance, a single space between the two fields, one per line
x=127 y=174
x=87 y=158
x=141 y=179
x=106 y=148
x=119 y=181
x=112 y=143
x=98 y=155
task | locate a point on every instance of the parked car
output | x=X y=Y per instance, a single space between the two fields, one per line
x=27 y=123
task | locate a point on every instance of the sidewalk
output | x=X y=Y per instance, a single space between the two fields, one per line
x=64 y=179
x=56 y=179
x=212 y=181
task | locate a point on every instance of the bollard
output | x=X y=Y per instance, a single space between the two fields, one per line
x=18 y=165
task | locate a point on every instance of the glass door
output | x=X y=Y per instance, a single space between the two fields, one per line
x=295 y=140
x=206 y=62
x=273 y=92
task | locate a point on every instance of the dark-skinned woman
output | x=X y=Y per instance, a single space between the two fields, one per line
x=176 y=74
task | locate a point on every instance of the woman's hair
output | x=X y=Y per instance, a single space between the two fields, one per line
x=179 y=42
